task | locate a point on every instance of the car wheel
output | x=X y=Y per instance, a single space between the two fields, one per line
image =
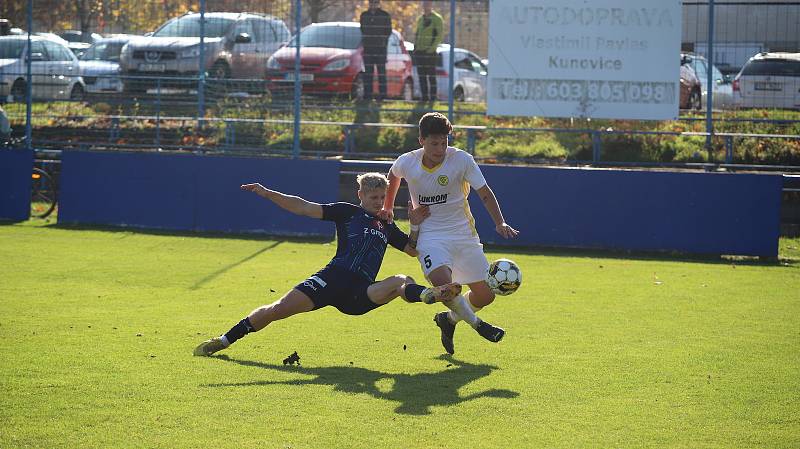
x=218 y=75
x=132 y=87
x=18 y=91
x=458 y=94
x=357 y=91
x=77 y=94
x=219 y=71
x=408 y=90
x=695 y=100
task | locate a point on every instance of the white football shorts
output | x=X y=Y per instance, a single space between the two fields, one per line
x=464 y=257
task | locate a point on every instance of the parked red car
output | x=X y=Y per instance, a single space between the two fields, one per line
x=331 y=63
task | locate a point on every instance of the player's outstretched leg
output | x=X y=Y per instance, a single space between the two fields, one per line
x=479 y=296
x=490 y=332
x=209 y=347
x=441 y=293
x=447 y=328
x=217 y=344
x=292 y=303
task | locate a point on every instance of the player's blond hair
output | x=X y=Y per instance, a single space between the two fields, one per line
x=374 y=180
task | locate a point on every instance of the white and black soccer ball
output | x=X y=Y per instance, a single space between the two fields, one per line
x=505 y=277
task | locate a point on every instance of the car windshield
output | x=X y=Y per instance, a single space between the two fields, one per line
x=772 y=67
x=190 y=27
x=103 y=52
x=717 y=73
x=71 y=37
x=329 y=37
x=11 y=49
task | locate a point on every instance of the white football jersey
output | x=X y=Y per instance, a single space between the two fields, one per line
x=445 y=189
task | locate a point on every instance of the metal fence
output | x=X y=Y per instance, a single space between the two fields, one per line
x=230 y=77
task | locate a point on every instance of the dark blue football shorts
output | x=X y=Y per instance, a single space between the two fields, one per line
x=337 y=287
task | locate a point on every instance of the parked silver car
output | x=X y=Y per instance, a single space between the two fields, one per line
x=78 y=41
x=469 y=79
x=54 y=70
x=722 y=88
x=769 y=80
x=100 y=65
x=236 y=45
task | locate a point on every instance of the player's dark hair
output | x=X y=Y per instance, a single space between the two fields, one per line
x=434 y=123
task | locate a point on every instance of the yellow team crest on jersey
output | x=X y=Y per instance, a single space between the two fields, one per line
x=442 y=180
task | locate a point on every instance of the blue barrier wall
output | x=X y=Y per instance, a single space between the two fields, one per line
x=188 y=192
x=701 y=213
x=16 y=167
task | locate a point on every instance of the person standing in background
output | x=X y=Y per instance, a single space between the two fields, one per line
x=427 y=38
x=376 y=27
x=5 y=126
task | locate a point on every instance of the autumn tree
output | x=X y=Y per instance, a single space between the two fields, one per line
x=15 y=11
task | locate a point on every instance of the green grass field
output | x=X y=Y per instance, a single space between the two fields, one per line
x=602 y=351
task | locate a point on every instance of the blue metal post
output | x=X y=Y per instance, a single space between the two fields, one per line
x=596 y=146
x=230 y=133
x=29 y=83
x=298 y=23
x=728 y=149
x=113 y=133
x=471 y=139
x=348 y=138
x=201 y=69
x=710 y=80
x=158 y=114
x=451 y=69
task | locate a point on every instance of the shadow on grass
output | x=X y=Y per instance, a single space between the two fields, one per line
x=646 y=256
x=782 y=260
x=127 y=230
x=222 y=270
x=416 y=393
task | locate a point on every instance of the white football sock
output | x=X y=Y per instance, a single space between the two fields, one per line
x=224 y=340
x=460 y=307
x=455 y=318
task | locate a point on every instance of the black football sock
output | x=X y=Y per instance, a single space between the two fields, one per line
x=241 y=329
x=412 y=292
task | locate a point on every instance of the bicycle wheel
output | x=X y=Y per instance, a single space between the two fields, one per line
x=43 y=193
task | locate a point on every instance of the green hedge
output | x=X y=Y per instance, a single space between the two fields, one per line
x=508 y=143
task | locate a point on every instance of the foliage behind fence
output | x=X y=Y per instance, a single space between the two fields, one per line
x=216 y=111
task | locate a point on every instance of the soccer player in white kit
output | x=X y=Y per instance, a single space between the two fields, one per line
x=440 y=176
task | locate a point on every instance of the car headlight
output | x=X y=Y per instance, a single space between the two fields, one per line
x=273 y=64
x=193 y=52
x=337 y=65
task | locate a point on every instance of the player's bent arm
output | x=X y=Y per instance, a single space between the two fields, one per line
x=489 y=201
x=292 y=203
x=415 y=216
x=411 y=251
x=411 y=246
x=391 y=194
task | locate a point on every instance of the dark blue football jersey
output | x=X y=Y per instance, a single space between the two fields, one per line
x=361 y=238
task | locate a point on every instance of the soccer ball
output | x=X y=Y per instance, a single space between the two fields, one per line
x=505 y=277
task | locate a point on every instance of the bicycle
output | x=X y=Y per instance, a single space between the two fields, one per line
x=44 y=196
x=44 y=192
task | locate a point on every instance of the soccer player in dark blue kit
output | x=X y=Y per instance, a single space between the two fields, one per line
x=348 y=281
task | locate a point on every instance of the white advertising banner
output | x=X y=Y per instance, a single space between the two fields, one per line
x=617 y=59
